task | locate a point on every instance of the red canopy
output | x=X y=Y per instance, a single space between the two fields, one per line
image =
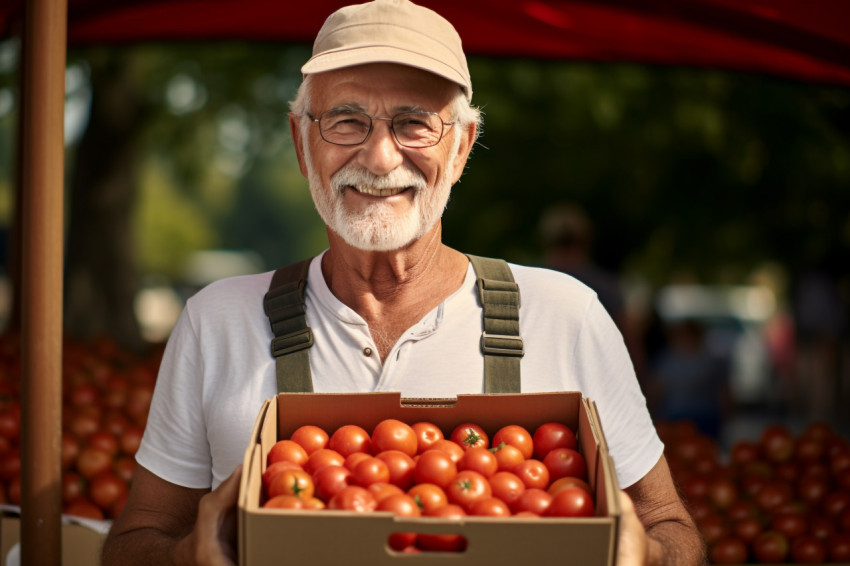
x=808 y=41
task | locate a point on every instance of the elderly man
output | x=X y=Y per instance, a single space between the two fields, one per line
x=383 y=127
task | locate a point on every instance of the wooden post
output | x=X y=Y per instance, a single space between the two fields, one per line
x=43 y=161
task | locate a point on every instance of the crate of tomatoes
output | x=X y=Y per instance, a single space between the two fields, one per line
x=374 y=479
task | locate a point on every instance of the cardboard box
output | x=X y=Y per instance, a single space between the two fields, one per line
x=81 y=544
x=270 y=536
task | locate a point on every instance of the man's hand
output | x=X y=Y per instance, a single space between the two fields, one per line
x=632 y=544
x=214 y=539
x=164 y=523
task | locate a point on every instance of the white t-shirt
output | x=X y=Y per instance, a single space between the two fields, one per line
x=217 y=369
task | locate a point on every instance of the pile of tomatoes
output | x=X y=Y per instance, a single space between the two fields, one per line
x=781 y=497
x=417 y=470
x=106 y=394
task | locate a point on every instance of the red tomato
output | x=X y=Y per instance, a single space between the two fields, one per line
x=275 y=469
x=517 y=436
x=124 y=467
x=284 y=502
x=350 y=438
x=70 y=450
x=104 y=440
x=426 y=435
x=507 y=487
x=105 y=489
x=73 y=486
x=289 y=451
x=568 y=481
x=489 y=507
x=401 y=505
x=392 y=434
x=428 y=496
x=838 y=547
x=321 y=458
x=533 y=473
x=330 y=480
x=571 y=502
x=451 y=448
x=92 y=462
x=534 y=501
x=729 y=550
x=10 y=464
x=466 y=487
x=552 y=435
x=443 y=542
x=563 y=462
x=353 y=498
x=314 y=503
x=83 y=507
x=370 y=470
x=292 y=482
x=467 y=435
x=381 y=490
x=82 y=425
x=508 y=457
x=10 y=424
x=355 y=458
x=480 y=460
x=131 y=439
x=401 y=467
x=808 y=549
x=435 y=466
x=310 y=438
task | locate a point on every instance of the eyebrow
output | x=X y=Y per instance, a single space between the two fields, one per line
x=353 y=107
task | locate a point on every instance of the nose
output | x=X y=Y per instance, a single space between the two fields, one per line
x=381 y=153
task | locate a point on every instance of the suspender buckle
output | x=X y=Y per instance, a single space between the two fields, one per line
x=292 y=342
x=502 y=345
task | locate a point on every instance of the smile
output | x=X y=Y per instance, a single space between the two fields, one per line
x=375 y=192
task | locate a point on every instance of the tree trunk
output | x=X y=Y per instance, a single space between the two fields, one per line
x=101 y=278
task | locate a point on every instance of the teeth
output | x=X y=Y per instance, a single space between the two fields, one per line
x=380 y=192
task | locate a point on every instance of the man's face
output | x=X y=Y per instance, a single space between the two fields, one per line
x=379 y=195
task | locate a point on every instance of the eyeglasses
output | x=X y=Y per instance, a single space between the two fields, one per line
x=410 y=129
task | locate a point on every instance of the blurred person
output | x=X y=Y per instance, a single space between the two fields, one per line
x=688 y=381
x=382 y=126
x=819 y=312
x=567 y=234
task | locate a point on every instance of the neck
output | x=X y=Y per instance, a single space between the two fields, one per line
x=350 y=270
x=393 y=290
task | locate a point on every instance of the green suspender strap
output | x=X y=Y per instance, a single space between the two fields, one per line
x=284 y=305
x=501 y=343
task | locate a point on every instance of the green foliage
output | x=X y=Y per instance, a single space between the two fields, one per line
x=682 y=170
x=690 y=170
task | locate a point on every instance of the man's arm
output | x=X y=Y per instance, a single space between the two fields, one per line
x=656 y=529
x=164 y=523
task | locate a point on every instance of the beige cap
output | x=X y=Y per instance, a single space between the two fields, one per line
x=390 y=31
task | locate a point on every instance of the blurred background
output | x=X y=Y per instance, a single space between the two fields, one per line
x=710 y=209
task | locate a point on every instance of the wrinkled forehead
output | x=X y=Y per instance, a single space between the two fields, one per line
x=381 y=86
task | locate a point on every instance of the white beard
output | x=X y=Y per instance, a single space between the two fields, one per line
x=377 y=226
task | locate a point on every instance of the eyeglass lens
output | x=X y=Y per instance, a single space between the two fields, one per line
x=411 y=129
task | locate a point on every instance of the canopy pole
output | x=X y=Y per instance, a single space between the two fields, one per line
x=43 y=159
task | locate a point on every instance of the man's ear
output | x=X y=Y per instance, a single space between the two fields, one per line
x=298 y=141
x=467 y=140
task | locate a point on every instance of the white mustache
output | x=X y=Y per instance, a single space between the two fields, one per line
x=364 y=181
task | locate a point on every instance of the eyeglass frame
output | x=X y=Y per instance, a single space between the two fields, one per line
x=372 y=119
